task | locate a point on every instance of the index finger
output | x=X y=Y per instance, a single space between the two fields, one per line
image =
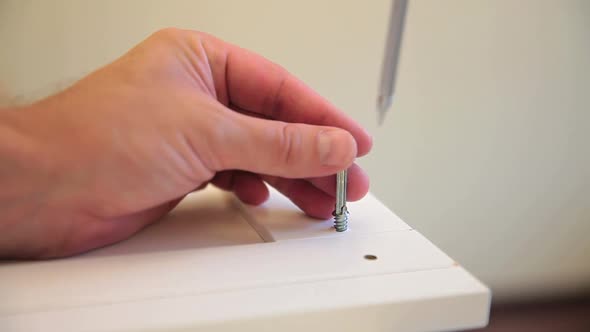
x=250 y=82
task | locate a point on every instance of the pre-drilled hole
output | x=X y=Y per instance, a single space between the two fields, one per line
x=370 y=257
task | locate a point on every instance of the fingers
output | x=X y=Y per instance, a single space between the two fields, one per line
x=253 y=83
x=357 y=188
x=249 y=187
x=289 y=150
x=316 y=197
x=313 y=201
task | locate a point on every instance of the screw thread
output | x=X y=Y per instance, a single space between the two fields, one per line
x=341 y=220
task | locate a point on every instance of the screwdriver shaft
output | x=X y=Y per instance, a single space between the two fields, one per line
x=341 y=181
x=340 y=211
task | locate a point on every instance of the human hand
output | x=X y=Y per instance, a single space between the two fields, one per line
x=120 y=148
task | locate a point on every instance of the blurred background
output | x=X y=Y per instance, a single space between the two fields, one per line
x=485 y=151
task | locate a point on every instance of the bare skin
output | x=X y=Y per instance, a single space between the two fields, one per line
x=96 y=163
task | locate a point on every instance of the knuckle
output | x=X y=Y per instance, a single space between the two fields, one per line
x=290 y=140
x=273 y=104
x=176 y=35
x=168 y=33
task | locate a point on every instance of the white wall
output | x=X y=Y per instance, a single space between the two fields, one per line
x=486 y=151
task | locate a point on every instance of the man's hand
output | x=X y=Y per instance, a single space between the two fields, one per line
x=96 y=163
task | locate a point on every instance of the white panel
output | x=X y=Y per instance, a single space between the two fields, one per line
x=306 y=280
x=279 y=219
x=207 y=218
x=435 y=300
x=110 y=279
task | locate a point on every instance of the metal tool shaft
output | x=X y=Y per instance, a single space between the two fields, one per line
x=391 y=58
x=341 y=212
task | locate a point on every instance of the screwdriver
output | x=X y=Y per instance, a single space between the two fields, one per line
x=384 y=99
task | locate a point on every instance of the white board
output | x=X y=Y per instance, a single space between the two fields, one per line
x=215 y=264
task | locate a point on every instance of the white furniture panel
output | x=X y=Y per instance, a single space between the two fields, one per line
x=204 y=268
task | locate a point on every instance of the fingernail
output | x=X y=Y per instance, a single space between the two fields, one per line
x=332 y=147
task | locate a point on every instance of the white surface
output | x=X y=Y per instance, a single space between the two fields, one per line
x=486 y=148
x=400 y=302
x=307 y=280
x=280 y=219
x=199 y=221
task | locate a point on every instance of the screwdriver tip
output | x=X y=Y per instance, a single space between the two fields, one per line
x=380 y=118
x=383 y=105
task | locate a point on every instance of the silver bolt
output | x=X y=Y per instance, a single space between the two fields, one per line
x=341 y=212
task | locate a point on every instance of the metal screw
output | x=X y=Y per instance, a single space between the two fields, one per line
x=341 y=212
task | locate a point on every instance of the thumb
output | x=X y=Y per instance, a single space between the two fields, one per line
x=290 y=150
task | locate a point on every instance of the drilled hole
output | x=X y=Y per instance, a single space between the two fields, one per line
x=370 y=257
